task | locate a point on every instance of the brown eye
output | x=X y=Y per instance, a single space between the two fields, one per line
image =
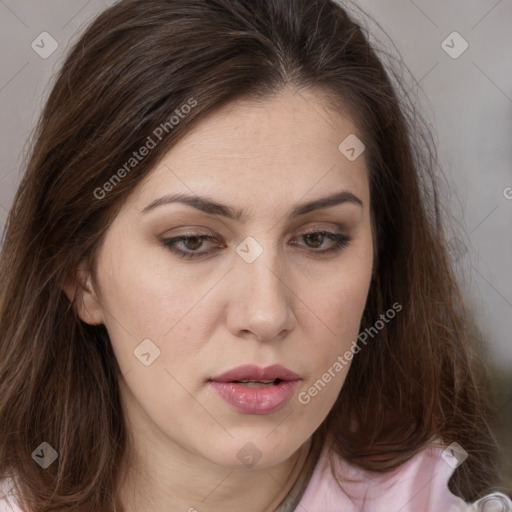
x=315 y=239
x=191 y=243
x=197 y=241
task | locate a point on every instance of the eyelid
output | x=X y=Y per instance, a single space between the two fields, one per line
x=197 y=231
x=312 y=227
x=338 y=238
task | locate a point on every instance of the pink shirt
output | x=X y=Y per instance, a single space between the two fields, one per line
x=419 y=485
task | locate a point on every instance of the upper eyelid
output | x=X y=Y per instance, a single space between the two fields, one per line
x=325 y=225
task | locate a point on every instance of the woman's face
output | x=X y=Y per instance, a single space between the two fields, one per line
x=259 y=292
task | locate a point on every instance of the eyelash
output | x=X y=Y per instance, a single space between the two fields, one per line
x=340 y=241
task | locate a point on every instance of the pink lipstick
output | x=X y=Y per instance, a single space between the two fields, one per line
x=254 y=390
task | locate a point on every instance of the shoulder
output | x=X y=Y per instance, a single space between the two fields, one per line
x=418 y=485
x=8 y=501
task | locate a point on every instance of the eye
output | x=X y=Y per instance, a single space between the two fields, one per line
x=314 y=239
x=192 y=242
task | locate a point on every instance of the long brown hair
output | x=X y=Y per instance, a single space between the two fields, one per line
x=122 y=80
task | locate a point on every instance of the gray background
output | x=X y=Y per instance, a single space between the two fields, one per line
x=467 y=101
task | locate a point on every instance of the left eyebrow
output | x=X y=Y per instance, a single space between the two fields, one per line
x=211 y=207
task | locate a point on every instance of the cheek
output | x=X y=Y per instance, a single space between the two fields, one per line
x=341 y=314
x=143 y=298
x=338 y=305
x=144 y=285
x=330 y=355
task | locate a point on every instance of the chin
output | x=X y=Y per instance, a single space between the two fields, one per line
x=253 y=452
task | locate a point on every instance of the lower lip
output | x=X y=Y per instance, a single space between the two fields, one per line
x=256 y=400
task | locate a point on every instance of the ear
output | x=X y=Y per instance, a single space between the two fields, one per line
x=80 y=291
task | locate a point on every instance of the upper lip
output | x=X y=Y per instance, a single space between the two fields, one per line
x=256 y=373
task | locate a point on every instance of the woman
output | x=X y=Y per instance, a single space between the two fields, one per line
x=225 y=285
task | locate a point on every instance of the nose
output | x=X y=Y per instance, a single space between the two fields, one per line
x=261 y=300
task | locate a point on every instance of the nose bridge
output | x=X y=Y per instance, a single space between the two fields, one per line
x=264 y=278
x=262 y=301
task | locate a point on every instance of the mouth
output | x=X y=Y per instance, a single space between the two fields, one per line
x=258 y=383
x=253 y=390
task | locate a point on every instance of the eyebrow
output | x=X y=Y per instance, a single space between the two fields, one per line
x=211 y=207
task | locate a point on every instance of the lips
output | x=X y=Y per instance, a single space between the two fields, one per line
x=254 y=390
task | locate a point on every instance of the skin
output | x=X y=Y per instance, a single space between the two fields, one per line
x=208 y=315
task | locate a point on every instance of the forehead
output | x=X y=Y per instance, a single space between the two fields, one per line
x=268 y=151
